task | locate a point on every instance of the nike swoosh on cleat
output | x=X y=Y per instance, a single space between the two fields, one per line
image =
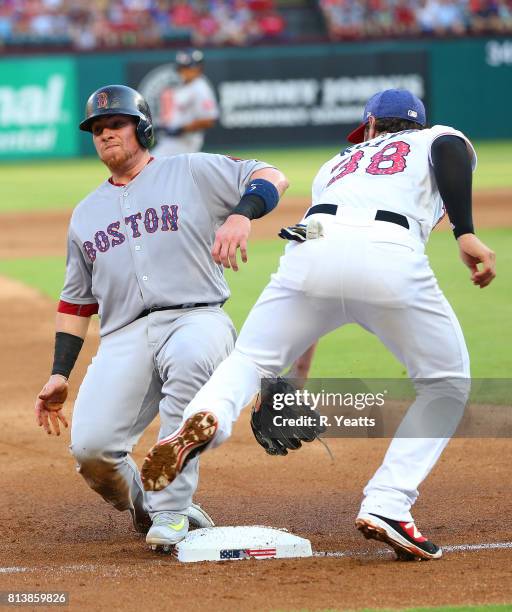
x=178 y=526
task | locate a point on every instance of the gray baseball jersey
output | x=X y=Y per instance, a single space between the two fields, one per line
x=148 y=243
x=183 y=105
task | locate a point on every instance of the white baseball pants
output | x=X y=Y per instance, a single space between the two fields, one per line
x=376 y=275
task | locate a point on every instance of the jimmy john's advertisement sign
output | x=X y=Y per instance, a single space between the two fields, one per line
x=303 y=102
x=299 y=99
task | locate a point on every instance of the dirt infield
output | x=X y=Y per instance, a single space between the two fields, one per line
x=57 y=535
x=44 y=234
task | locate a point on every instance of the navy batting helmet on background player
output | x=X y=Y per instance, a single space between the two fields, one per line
x=145 y=253
x=374 y=206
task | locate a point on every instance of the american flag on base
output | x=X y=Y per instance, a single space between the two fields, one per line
x=248 y=553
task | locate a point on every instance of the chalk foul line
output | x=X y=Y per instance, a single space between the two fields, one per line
x=91 y=567
x=388 y=551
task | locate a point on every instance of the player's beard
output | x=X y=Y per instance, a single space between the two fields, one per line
x=116 y=158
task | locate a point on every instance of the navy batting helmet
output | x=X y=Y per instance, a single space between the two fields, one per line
x=189 y=57
x=120 y=100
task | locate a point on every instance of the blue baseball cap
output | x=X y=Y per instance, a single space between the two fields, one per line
x=391 y=103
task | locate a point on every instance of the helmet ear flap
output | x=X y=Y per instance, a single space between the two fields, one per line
x=145 y=134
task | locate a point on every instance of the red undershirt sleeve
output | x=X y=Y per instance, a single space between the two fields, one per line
x=79 y=310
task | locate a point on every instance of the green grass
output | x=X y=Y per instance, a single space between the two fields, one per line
x=350 y=351
x=494 y=164
x=44 y=273
x=300 y=165
x=483 y=608
x=48 y=185
x=62 y=184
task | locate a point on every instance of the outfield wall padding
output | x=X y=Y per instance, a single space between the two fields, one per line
x=268 y=96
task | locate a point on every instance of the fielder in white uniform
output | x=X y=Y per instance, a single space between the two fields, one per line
x=145 y=251
x=187 y=110
x=373 y=208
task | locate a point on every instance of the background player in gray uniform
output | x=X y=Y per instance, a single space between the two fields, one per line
x=187 y=110
x=145 y=251
x=373 y=208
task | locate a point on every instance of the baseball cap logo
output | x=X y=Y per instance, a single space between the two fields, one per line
x=412 y=113
x=102 y=100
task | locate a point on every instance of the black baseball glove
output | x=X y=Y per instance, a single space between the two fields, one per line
x=295 y=232
x=295 y=424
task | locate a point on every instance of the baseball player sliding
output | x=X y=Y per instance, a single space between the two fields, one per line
x=187 y=110
x=145 y=251
x=372 y=211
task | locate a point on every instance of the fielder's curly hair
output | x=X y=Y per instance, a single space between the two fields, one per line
x=395 y=124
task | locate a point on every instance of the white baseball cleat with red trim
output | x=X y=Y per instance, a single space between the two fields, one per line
x=404 y=537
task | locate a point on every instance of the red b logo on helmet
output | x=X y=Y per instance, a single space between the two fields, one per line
x=102 y=100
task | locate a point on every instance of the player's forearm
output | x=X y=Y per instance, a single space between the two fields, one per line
x=72 y=324
x=199 y=125
x=70 y=331
x=274 y=176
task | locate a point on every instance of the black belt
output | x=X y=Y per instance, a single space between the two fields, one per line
x=145 y=313
x=380 y=215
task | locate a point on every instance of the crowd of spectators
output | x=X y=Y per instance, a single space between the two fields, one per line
x=96 y=24
x=119 y=23
x=354 y=19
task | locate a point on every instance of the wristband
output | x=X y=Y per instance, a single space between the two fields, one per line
x=250 y=206
x=266 y=190
x=67 y=348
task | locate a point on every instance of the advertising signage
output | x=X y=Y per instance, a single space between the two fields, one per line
x=37 y=108
x=289 y=100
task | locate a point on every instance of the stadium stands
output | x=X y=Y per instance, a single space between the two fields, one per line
x=356 y=19
x=98 y=24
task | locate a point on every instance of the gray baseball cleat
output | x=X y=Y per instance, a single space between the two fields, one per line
x=198 y=517
x=167 y=530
